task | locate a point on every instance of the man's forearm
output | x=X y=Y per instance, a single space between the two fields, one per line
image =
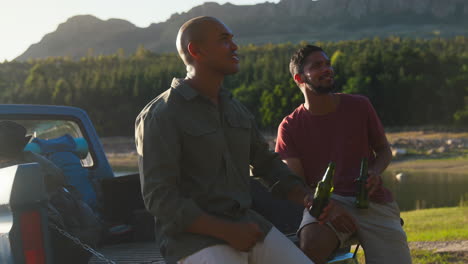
x=209 y=225
x=382 y=160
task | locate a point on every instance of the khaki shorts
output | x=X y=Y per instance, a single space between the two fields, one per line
x=379 y=231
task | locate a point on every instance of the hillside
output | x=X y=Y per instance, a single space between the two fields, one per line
x=286 y=21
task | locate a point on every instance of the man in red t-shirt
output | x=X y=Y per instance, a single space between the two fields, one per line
x=344 y=129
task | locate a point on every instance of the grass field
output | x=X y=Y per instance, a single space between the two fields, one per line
x=440 y=224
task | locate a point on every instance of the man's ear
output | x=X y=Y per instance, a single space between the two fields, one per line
x=194 y=50
x=298 y=78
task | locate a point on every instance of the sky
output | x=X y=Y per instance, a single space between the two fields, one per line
x=25 y=22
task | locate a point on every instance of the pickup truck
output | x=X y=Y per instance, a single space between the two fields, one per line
x=24 y=228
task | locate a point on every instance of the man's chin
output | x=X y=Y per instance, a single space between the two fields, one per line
x=232 y=70
x=323 y=90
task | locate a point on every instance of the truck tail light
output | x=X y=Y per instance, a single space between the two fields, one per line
x=32 y=237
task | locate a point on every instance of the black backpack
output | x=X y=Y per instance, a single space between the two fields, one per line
x=67 y=213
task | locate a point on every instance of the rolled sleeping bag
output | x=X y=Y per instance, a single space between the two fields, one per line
x=81 y=148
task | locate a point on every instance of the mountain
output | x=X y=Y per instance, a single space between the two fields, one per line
x=288 y=20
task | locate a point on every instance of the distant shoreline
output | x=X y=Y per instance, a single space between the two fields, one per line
x=438 y=152
x=457 y=165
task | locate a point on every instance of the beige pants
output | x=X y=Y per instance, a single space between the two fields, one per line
x=275 y=249
x=380 y=232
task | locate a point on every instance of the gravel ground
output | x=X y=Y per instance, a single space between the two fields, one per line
x=441 y=246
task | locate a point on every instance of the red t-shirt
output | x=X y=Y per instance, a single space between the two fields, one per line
x=344 y=137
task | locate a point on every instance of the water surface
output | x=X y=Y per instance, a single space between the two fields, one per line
x=419 y=190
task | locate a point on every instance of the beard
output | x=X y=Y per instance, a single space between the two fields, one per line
x=320 y=89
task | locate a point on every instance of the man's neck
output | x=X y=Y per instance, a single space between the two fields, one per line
x=321 y=104
x=207 y=84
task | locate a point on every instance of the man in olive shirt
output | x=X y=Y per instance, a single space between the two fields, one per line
x=195 y=143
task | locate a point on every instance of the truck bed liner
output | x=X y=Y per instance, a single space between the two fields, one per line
x=141 y=252
x=135 y=253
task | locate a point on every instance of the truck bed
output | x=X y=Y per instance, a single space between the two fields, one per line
x=140 y=252
x=135 y=253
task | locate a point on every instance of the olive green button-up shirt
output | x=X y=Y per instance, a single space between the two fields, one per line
x=194 y=157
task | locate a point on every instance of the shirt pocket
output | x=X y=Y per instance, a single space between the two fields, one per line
x=239 y=129
x=202 y=146
x=198 y=130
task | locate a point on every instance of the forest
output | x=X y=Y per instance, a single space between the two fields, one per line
x=410 y=82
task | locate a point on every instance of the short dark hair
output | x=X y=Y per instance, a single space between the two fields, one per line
x=296 y=65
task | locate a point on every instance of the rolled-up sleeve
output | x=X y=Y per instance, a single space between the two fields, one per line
x=268 y=167
x=159 y=157
x=285 y=145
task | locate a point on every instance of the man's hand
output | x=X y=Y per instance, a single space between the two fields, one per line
x=308 y=200
x=243 y=236
x=337 y=215
x=373 y=182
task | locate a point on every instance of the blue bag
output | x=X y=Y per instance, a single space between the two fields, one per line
x=62 y=152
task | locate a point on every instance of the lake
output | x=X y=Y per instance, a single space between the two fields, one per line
x=419 y=190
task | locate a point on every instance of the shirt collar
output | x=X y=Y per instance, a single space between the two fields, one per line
x=184 y=89
x=189 y=93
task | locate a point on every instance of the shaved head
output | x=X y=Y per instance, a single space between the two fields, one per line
x=192 y=31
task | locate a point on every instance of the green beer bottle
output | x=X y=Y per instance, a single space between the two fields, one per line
x=323 y=191
x=362 y=194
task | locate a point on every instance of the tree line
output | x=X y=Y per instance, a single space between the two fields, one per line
x=411 y=82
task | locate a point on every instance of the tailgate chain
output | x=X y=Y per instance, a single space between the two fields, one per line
x=86 y=247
